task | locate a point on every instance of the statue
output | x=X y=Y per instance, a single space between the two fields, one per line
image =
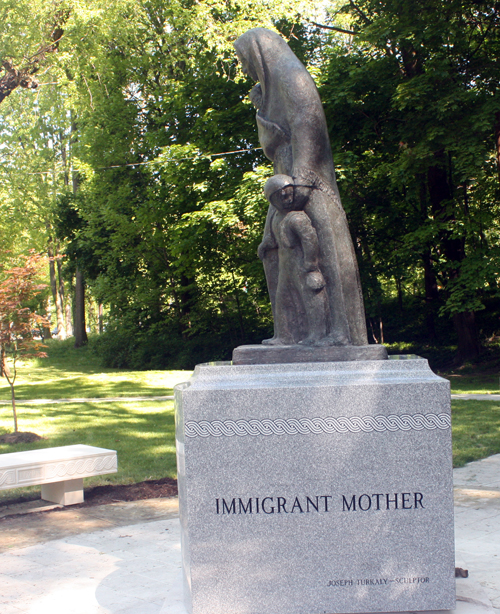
x=307 y=251
x=301 y=301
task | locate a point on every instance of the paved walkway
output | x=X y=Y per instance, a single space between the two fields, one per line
x=124 y=558
x=477 y=522
x=476 y=397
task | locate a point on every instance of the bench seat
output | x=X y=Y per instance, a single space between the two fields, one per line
x=60 y=471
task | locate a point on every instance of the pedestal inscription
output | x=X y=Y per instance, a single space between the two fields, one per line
x=315 y=488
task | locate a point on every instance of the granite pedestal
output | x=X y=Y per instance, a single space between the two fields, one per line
x=316 y=488
x=279 y=354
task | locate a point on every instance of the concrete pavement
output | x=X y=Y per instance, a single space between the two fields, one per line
x=124 y=558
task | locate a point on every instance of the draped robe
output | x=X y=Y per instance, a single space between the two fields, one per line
x=293 y=134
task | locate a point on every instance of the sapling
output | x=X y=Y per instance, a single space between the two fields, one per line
x=18 y=320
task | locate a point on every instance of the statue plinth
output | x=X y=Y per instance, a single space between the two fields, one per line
x=313 y=488
x=279 y=354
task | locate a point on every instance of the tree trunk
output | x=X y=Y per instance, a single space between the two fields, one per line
x=399 y=287
x=61 y=331
x=46 y=332
x=60 y=290
x=431 y=295
x=468 y=341
x=4 y=369
x=100 y=313
x=453 y=248
x=14 y=411
x=79 y=327
x=373 y=321
x=69 y=316
x=497 y=141
x=11 y=378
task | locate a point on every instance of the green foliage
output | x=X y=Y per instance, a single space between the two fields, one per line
x=139 y=153
x=411 y=103
x=170 y=209
x=19 y=320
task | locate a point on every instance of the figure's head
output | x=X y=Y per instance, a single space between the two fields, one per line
x=256 y=48
x=279 y=191
x=246 y=65
x=255 y=96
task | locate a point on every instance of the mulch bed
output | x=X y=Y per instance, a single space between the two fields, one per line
x=20 y=437
x=150 y=489
x=102 y=495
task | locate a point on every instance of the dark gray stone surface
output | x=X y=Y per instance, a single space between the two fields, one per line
x=301 y=305
x=324 y=304
x=261 y=354
x=272 y=461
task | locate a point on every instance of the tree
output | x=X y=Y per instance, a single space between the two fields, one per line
x=23 y=61
x=411 y=98
x=19 y=320
x=160 y=226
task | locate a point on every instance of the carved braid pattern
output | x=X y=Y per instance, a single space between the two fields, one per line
x=79 y=467
x=304 y=426
x=306 y=176
x=7 y=477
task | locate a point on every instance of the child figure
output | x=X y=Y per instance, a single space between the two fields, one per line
x=301 y=302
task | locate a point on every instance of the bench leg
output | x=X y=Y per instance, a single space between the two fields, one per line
x=68 y=492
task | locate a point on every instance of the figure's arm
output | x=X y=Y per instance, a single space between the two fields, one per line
x=268 y=242
x=306 y=124
x=268 y=239
x=305 y=232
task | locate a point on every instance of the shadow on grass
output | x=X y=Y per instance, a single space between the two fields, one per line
x=81 y=387
x=143 y=434
x=480 y=384
x=476 y=430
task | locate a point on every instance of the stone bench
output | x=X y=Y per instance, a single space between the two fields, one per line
x=60 y=471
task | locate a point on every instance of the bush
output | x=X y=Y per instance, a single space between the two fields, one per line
x=162 y=347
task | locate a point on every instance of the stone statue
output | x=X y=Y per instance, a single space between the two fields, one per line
x=301 y=301
x=307 y=251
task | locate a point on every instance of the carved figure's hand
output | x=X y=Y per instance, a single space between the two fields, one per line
x=261 y=251
x=267 y=244
x=315 y=281
x=255 y=96
x=301 y=195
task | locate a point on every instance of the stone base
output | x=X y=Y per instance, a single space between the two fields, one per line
x=316 y=488
x=69 y=492
x=279 y=354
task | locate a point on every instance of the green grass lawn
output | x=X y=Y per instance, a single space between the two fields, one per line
x=478 y=384
x=476 y=430
x=71 y=373
x=141 y=432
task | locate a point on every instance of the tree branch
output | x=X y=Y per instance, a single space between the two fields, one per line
x=360 y=12
x=334 y=28
x=24 y=76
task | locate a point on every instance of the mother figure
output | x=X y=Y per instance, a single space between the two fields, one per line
x=293 y=134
